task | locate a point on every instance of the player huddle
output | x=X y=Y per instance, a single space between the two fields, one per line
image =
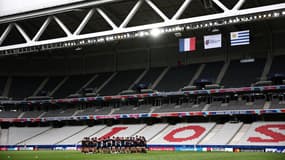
x=135 y=144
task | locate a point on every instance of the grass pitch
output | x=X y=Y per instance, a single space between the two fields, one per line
x=154 y=155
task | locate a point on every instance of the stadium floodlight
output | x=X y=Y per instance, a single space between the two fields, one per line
x=247 y=60
x=141 y=33
x=155 y=32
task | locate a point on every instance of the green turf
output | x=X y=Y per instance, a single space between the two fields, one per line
x=155 y=155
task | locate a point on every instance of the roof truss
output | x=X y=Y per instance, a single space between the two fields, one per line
x=123 y=31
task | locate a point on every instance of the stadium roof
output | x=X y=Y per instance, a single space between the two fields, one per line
x=90 y=22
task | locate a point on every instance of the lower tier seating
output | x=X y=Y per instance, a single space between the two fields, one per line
x=257 y=133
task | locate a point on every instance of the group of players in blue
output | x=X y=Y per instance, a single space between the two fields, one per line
x=113 y=144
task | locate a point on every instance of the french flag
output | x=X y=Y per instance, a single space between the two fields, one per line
x=187 y=44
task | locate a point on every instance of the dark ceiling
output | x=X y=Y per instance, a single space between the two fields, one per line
x=118 y=11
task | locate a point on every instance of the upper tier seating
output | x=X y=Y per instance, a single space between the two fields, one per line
x=151 y=75
x=236 y=69
x=71 y=86
x=3 y=81
x=177 y=77
x=278 y=65
x=23 y=87
x=99 y=80
x=211 y=71
x=51 y=84
x=120 y=82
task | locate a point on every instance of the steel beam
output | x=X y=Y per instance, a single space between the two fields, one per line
x=42 y=29
x=221 y=5
x=5 y=33
x=84 y=22
x=131 y=14
x=238 y=5
x=22 y=32
x=56 y=10
x=157 y=10
x=181 y=9
x=106 y=18
x=62 y=26
x=256 y=10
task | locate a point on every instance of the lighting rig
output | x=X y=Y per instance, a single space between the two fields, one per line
x=154 y=32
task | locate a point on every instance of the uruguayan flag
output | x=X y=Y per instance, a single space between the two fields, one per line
x=240 y=38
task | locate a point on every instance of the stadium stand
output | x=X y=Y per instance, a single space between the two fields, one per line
x=233 y=133
x=87 y=132
x=168 y=107
x=238 y=104
x=151 y=131
x=277 y=103
x=151 y=76
x=71 y=86
x=19 y=134
x=9 y=114
x=22 y=87
x=129 y=109
x=98 y=81
x=4 y=136
x=120 y=131
x=177 y=77
x=211 y=71
x=97 y=110
x=184 y=134
x=50 y=85
x=202 y=76
x=57 y=134
x=120 y=82
x=173 y=80
x=222 y=135
x=264 y=133
x=62 y=112
x=252 y=74
x=32 y=114
x=2 y=84
x=277 y=66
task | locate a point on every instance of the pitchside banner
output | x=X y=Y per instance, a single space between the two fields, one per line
x=213 y=41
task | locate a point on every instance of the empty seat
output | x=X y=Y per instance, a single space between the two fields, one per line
x=23 y=87
x=120 y=82
x=177 y=77
x=234 y=77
